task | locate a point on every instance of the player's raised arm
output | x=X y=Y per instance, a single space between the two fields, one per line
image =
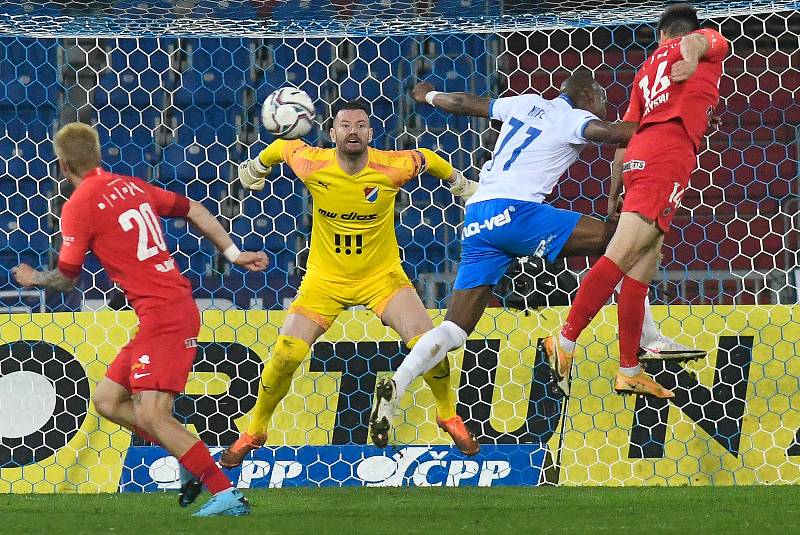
x=441 y=168
x=705 y=44
x=458 y=103
x=253 y=173
x=693 y=48
x=209 y=227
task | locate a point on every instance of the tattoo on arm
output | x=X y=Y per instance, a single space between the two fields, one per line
x=54 y=280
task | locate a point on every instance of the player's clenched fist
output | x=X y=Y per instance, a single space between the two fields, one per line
x=420 y=90
x=252 y=261
x=24 y=274
x=252 y=174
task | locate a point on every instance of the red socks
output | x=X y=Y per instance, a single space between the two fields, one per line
x=630 y=315
x=595 y=290
x=199 y=462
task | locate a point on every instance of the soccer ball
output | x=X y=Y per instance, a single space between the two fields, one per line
x=288 y=113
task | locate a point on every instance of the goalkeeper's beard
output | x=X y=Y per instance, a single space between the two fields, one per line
x=352 y=145
x=353 y=154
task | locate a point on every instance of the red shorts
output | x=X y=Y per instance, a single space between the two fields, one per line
x=162 y=352
x=659 y=162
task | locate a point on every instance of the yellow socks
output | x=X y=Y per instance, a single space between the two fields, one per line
x=287 y=355
x=438 y=380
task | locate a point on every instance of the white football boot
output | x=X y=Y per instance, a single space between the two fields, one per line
x=380 y=422
x=664 y=348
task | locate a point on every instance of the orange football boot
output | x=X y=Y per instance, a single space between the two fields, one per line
x=560 y=362
x=236 y=452
x=641 y=384
x=462 y=437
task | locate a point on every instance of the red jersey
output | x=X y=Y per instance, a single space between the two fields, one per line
x=657 y=99
x=116 y=217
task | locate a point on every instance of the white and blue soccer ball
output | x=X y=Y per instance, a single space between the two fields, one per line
x=288 y=113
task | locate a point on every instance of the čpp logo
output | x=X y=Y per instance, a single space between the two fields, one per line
x=165 y=472
x=425 y=466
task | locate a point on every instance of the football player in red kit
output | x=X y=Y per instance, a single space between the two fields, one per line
x=672 y=99
x=118 y=218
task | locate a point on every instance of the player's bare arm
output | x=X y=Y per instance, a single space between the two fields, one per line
x=618 y=133
x=693 y=48
x=458 y=103
x=209 y=227
x=53 y=279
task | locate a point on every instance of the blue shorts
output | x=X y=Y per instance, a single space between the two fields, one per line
x=499 y=230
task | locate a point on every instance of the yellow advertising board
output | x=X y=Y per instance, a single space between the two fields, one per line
x=734 y=421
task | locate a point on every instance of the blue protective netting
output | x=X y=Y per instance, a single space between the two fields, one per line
x=277 y=18
x=175 y=94
x=183 y=111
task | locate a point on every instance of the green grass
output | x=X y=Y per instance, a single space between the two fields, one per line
x=415 y=510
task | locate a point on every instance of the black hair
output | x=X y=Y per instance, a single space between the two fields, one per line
x=678 y=19
x=579 y=81
x=356 y=104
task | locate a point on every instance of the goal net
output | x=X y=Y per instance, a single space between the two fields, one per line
x=174 y=89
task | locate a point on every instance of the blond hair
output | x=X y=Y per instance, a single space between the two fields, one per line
x=77 y=146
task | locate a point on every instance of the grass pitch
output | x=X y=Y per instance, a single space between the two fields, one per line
x=506 y=510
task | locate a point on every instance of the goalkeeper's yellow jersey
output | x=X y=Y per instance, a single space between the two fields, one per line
x=352 y=236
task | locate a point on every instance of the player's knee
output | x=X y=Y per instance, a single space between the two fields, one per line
x=152 y=411
x=288 y=353
x=625 y=255
x=146 y=419
x=150 y=417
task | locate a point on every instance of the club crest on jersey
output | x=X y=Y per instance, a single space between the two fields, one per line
x=371 y=193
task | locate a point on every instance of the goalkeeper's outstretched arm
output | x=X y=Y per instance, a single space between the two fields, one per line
x=458 y=103
x=253 y=173
x=441 y=168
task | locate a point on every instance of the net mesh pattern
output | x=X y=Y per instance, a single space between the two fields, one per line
x=175 y=92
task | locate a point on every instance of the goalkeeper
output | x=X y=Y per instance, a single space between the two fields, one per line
x=353 y=259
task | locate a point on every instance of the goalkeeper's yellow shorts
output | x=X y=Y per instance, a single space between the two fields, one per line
x=321 y=300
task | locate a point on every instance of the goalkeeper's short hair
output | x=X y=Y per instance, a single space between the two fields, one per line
x=77 y=147
x=357 y=104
